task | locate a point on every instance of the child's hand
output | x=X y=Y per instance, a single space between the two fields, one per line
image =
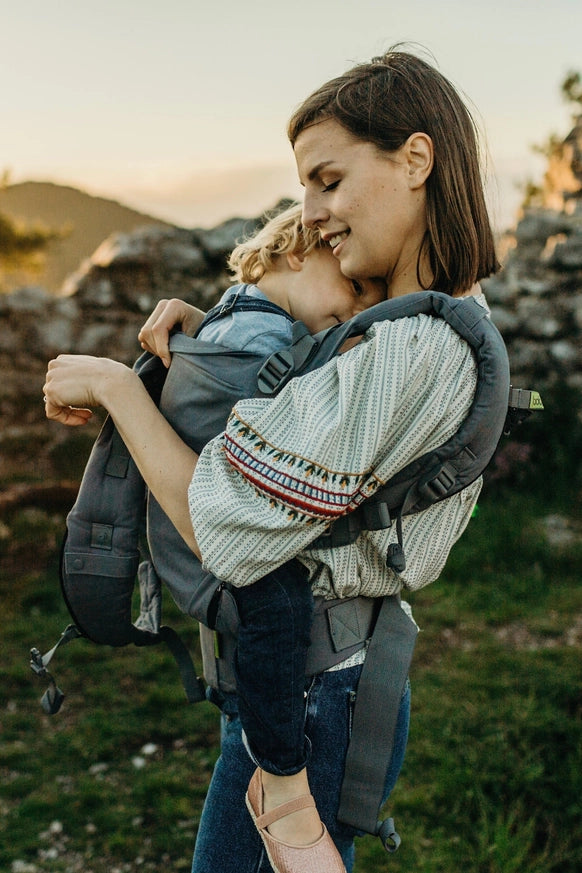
x=155 y=334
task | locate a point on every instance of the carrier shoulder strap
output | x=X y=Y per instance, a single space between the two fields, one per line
x=443 y=471
x=308 y=352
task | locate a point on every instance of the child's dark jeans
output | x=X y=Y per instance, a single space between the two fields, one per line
x=276 y=614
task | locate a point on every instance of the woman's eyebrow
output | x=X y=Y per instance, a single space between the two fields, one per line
x=317 y=170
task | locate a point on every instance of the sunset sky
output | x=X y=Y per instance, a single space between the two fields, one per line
x=178 y=107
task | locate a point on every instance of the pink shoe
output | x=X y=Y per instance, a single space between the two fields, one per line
x=319 y=857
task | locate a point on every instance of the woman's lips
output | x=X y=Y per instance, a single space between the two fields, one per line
x=336 y=239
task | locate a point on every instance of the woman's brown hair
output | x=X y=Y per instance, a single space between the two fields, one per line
x=384 y=102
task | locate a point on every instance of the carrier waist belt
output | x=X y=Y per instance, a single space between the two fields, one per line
x=340 y=628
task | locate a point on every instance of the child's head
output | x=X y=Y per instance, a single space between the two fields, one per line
x=296 y=269
x=283 y=233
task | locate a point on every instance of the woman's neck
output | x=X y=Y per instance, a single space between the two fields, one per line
x=413 y=272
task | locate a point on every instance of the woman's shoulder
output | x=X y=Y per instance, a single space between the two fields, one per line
x=411 y=326
x=420 y=354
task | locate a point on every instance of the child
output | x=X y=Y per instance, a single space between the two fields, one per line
x=290 y=266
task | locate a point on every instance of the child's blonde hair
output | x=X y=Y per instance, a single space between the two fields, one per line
x=282 y=234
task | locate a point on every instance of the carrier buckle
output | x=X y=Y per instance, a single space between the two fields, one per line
x=229 y=304
x=53 y=697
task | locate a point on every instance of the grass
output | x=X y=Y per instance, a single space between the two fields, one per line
x=492 y=781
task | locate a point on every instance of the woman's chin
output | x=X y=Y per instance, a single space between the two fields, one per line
x=351 y=268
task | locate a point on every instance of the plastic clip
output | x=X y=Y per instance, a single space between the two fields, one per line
x=437 y=487
x=52 y=699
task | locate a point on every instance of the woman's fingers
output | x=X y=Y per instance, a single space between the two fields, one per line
x=154 y=336
x=74 y=384
x=69 y=415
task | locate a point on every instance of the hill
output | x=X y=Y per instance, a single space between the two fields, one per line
x=86 y=221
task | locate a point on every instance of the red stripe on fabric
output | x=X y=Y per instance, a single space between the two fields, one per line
x=265 y=466
x=313 y=507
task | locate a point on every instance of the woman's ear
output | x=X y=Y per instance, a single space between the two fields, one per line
x=419 y=153
x=295 y=261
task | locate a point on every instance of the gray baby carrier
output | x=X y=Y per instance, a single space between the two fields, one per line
x=101 y=555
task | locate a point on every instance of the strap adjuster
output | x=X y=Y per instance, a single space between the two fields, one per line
x=437 y=487
x=376 y=514
x=275 y=371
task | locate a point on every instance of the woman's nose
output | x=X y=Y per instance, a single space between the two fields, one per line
x=313 y=213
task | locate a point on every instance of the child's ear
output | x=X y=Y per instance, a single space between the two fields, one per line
x=295 y=261
x=419 y=154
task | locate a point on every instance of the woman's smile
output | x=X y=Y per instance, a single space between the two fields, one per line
x=335 y=240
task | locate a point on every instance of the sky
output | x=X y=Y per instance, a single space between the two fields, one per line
x=178 y=107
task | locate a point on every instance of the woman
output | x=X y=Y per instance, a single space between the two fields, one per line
x=388 y=156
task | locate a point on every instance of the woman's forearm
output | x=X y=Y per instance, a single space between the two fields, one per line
x=164 y=460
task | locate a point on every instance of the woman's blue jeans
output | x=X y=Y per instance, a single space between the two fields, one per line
x=227 y=840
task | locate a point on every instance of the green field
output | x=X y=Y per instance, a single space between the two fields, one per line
x=492 y=782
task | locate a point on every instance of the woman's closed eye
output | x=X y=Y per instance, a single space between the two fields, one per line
x=331 y=186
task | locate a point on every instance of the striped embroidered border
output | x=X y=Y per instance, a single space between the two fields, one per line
x=306 y=497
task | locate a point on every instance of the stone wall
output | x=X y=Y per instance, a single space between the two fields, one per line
x=536 y=300
x=101 y=309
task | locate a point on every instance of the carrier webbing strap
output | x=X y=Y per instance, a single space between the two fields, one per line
x=377 y=705
x=194 y=686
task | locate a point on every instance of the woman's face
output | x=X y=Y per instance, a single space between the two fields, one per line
x=364 y=203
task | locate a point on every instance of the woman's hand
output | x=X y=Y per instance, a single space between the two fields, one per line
x=155 y=334
x=75 y=383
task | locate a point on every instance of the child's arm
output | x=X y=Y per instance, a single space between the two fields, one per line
x=155 y=334
x=74 y=383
